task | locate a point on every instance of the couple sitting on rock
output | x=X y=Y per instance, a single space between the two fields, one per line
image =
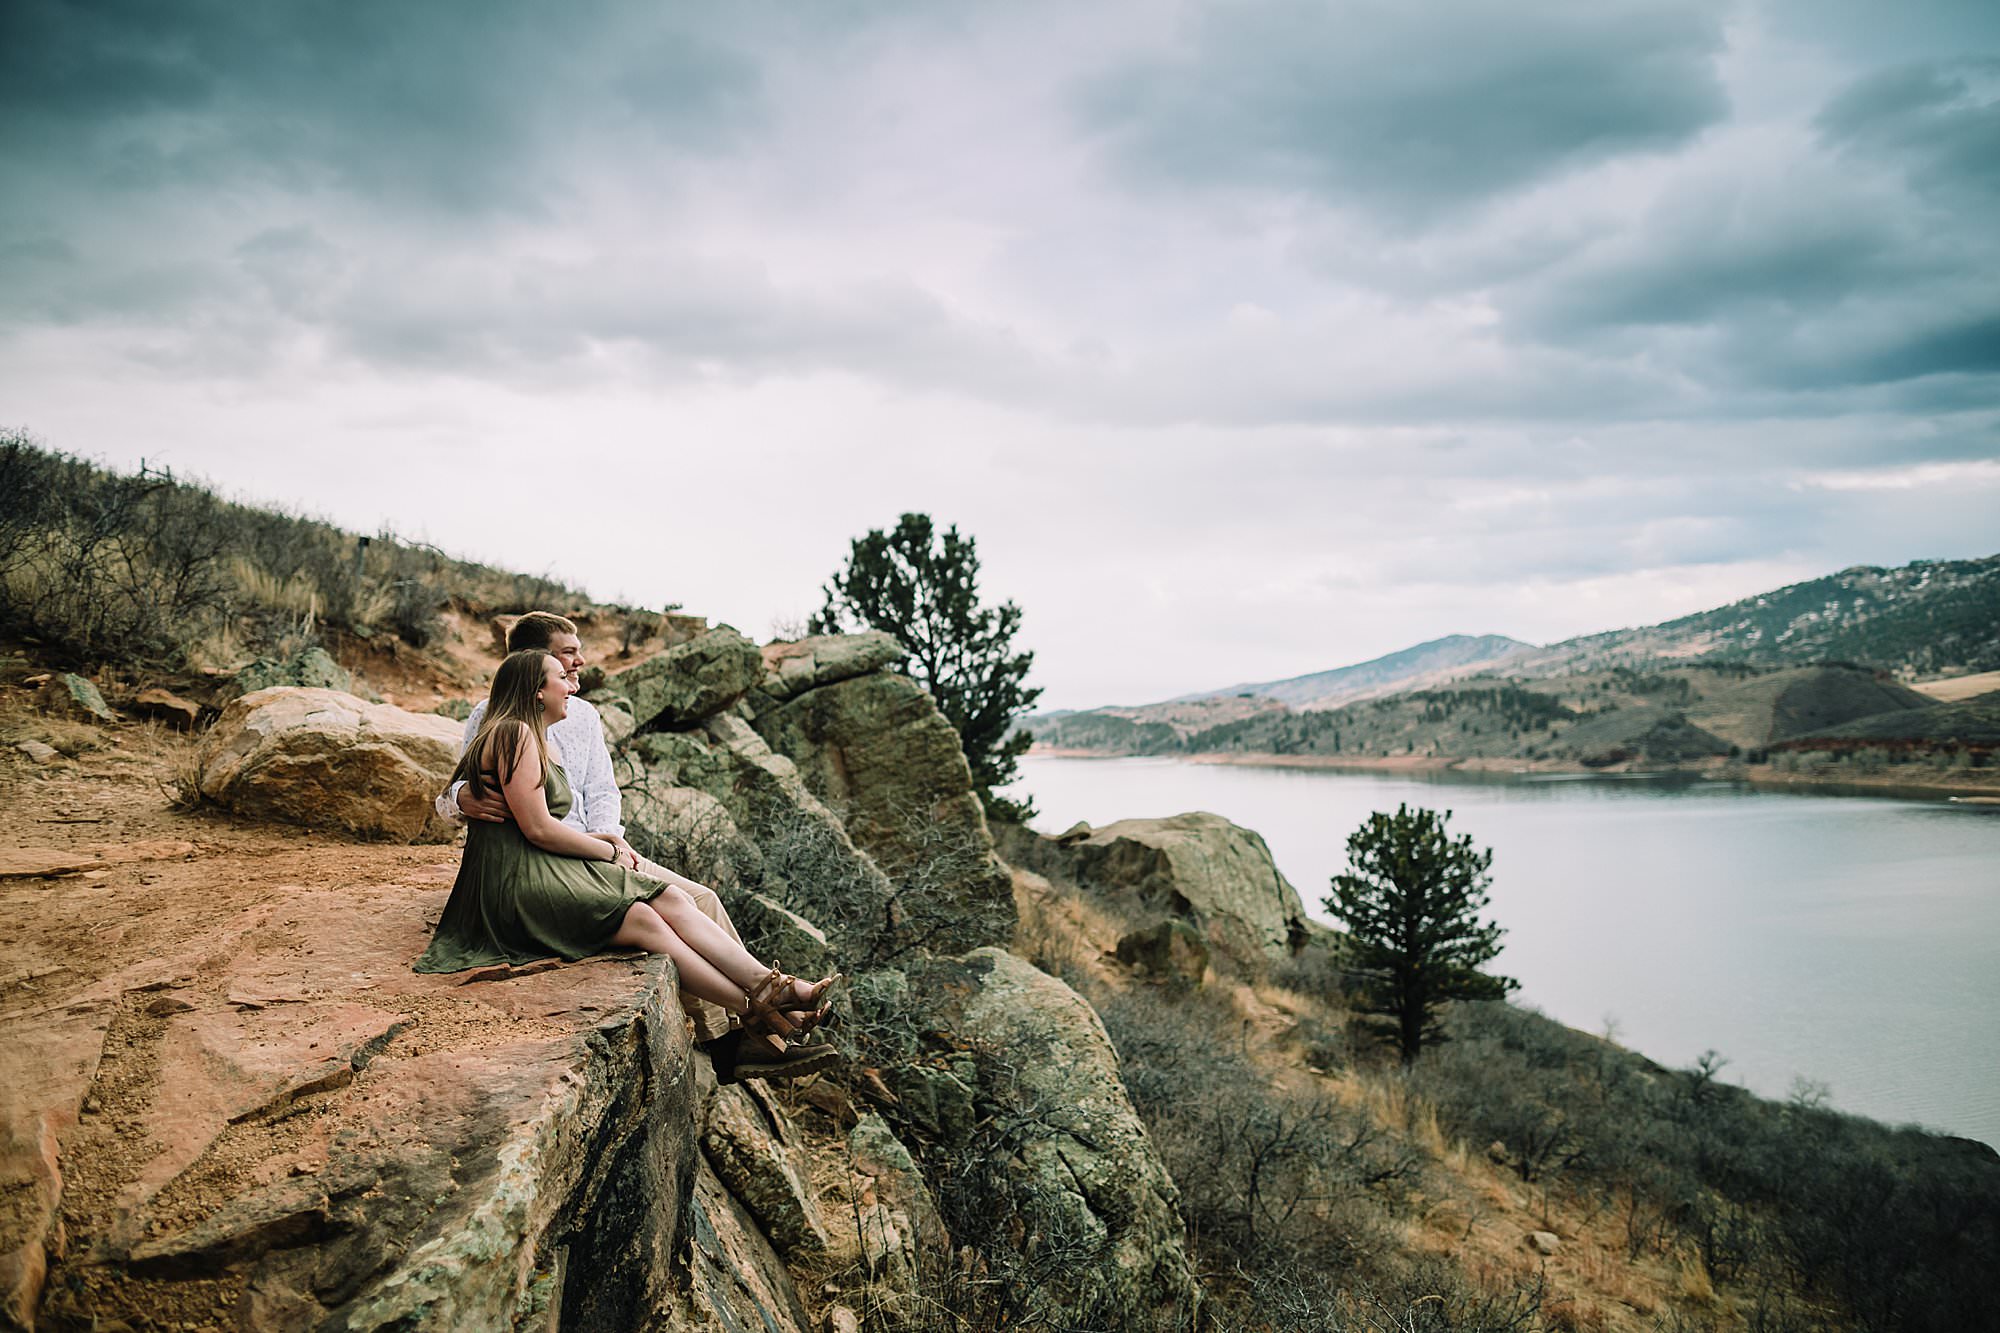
x=547 y=871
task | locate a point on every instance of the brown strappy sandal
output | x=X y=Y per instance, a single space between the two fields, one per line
x=773 y=1005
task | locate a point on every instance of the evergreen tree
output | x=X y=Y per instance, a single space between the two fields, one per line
x=924 y=589
x=1411 y=901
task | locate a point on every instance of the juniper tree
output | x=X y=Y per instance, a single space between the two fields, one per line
x=1411 y=901
x=924 y=589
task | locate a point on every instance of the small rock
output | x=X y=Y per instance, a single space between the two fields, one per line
x=168 y=1005
x=1544 y=1242
x=39 y=752
x=92 y=1106
x=70 y=695
x=840 y=1319
x=1496 y=1151
x=168 y=707
x=1074 y=834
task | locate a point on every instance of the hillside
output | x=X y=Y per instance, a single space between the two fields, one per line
x=281 y=1114
x=1929 y=618
x=1411 y=668
x=226 y=1102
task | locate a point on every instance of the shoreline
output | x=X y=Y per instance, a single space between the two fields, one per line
x=1963 y=788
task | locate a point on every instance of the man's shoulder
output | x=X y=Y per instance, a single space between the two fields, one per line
x=582 y=720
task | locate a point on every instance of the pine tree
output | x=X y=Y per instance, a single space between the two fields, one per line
x=1411 y=901
x=924 y=590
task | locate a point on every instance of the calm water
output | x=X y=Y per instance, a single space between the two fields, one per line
x=1854 y=941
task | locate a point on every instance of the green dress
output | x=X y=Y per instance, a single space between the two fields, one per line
x=515 y=903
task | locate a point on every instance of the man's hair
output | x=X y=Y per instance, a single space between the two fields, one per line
x=538 y=629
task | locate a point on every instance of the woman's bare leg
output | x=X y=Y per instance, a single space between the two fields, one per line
x=645 y=929
x=709 y=940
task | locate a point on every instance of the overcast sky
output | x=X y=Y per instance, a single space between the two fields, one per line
x=1248 y=339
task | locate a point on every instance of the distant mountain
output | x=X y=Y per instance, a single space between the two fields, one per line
x=1731 y=676
x=1426 y=664
x=1933 y=617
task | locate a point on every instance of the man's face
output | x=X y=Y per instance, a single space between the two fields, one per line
x=568 y=649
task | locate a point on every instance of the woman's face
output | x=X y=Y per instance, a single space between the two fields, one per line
x=555 y=691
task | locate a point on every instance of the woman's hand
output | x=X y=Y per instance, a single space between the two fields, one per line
x=621 y=850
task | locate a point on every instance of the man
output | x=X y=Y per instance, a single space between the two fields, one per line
x=595 y=808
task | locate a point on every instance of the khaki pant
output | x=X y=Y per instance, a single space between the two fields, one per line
x=710 y=1020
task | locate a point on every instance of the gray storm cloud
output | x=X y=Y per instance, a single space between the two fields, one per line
x=1289 y=300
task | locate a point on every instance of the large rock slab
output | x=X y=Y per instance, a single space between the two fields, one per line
x=335 y=1142
x=686 y=684
x=1073 y=1201
x=330 y=760
x=875 y=748
x=1217 y=876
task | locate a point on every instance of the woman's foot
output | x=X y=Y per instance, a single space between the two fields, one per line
x=787 y=1007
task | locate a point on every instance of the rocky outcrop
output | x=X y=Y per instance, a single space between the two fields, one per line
x=787 y=843
x=750 y=1147
x=875 y=748
x=693 y=681
x=1074 y=1205
x=310 y=668
x=335 y=1142
x=329 y=760
x=1215 y=875
x=790 y=669
x=903 y=1242
x=1171 y=950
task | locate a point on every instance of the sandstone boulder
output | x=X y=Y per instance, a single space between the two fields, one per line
x=1079 y=1170
x=875 y=748
x=689 y=831
x=71 y=696
x=755 y=1153
x=445 y=1168
x=1171 y=950
x=693 y=681
x=775 y=933
x=736 y=1280
x=875 y=1153
x=329 y=760
x=793 y=668
x=1215 y=875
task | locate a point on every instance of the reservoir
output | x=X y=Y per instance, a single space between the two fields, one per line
x=1848 y=942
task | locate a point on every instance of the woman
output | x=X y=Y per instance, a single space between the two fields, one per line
x=533 y=886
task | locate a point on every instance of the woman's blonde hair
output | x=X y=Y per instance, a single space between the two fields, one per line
x=516 y=697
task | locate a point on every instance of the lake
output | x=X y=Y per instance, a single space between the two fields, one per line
x=1852 y=941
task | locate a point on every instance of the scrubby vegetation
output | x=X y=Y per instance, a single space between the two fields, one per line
x=104 y=569
x=1309 y=1164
